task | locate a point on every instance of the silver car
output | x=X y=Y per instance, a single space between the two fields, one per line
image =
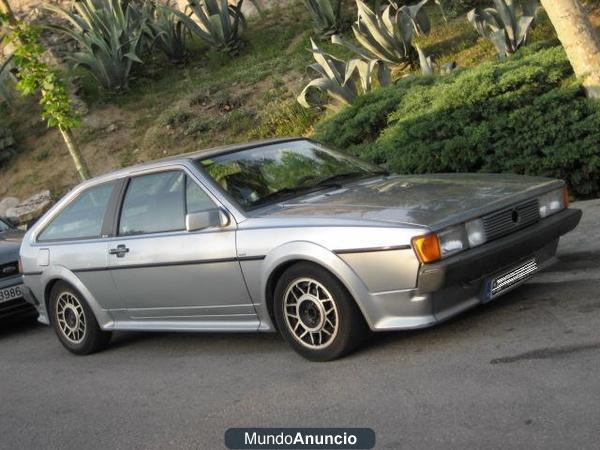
x=284 y=235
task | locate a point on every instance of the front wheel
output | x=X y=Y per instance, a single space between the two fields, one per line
x=315 y=313
x=74 y=322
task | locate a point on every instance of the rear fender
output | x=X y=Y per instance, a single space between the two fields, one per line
x=61 y=273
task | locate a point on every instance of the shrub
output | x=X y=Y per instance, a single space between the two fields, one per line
x=526 y=115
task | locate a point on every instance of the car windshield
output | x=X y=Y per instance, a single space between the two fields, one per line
x=262 y=176
x=3 y=226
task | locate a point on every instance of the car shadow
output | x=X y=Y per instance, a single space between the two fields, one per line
x=499 y=314
x=9 y=327
x=183 y=343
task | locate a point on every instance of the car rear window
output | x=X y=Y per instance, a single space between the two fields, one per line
x=82 y=218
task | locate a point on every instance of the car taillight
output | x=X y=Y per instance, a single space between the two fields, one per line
x=20 y=266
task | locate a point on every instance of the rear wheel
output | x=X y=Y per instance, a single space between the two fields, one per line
x=315 y=313
x=74 y=322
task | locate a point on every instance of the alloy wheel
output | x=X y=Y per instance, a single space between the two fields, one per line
x=70 y=317
x=311 y=314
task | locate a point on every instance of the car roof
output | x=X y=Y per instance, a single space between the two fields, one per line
x=185 y=157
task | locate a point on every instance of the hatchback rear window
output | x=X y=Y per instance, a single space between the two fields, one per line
x=82 y=218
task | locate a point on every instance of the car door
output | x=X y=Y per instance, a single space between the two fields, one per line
x=165 y=273
x=76 y=240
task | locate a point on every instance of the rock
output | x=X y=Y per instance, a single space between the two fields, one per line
x=30 y=209
x=6 y=204
x=112 y=128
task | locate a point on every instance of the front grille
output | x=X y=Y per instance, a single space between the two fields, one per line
x=515 y=276
x=9 y=270
x=504 y=222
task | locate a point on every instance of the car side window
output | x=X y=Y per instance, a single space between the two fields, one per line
x=153 y=204
x=82 y=218
x=197 y=200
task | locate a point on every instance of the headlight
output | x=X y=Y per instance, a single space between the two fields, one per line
x=475 y=232
x=452 y=240
x=553 y=202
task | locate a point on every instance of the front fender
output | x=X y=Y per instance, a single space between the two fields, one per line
x=309 y=251
x=61 y=273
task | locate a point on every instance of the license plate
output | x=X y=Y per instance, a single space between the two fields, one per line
x=11 y=293
x=510 y=279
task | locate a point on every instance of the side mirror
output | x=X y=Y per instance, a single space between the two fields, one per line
x=207 y=219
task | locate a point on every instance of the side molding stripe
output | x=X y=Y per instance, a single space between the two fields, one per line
x=372 y=250
x=171 y=264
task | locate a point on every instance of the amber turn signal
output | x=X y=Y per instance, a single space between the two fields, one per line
x=566 y=197
x=427 y=248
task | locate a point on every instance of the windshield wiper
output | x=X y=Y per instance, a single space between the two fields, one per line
x=328 y=182
x=283 y=194
x=335 y=179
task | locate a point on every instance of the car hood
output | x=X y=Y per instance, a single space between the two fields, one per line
x=10 y=243
x=432 y=201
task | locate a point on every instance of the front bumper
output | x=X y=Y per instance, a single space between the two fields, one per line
x=496 y=255
x=19 y=307
x=449 y=287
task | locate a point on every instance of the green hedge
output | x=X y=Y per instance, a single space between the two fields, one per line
x=526 y=115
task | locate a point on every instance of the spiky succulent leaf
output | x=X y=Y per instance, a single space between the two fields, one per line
x=215 y=22
x=326 y=15
x=523 y=26
x=166 y=31
x=426 y=62
x=419 y=17
x=506 y=12
x=339 y=82
x=385 y=35
x=109 y=34
x=503 y=25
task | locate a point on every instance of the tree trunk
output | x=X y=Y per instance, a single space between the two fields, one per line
x=80 y=165
x=6 y=9
x=579 y=39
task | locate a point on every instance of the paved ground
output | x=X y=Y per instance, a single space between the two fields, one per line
x=521 y=372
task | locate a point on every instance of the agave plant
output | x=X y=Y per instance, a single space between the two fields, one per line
x=110 y=37
x=339 y=82
x=429 y=66
x=385 y=35
x=166 y=31
x=418 y=15
x=217 y=23
x=503 y=25
x=327 y=15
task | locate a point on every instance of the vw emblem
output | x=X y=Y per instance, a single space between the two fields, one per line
x=515 y=216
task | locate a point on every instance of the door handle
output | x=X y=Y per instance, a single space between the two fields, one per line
x=120 y=251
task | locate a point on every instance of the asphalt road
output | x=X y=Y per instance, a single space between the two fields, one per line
x=521 y=372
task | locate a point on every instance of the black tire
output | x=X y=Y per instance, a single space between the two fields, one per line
x=85 y=335
x=330 y=342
